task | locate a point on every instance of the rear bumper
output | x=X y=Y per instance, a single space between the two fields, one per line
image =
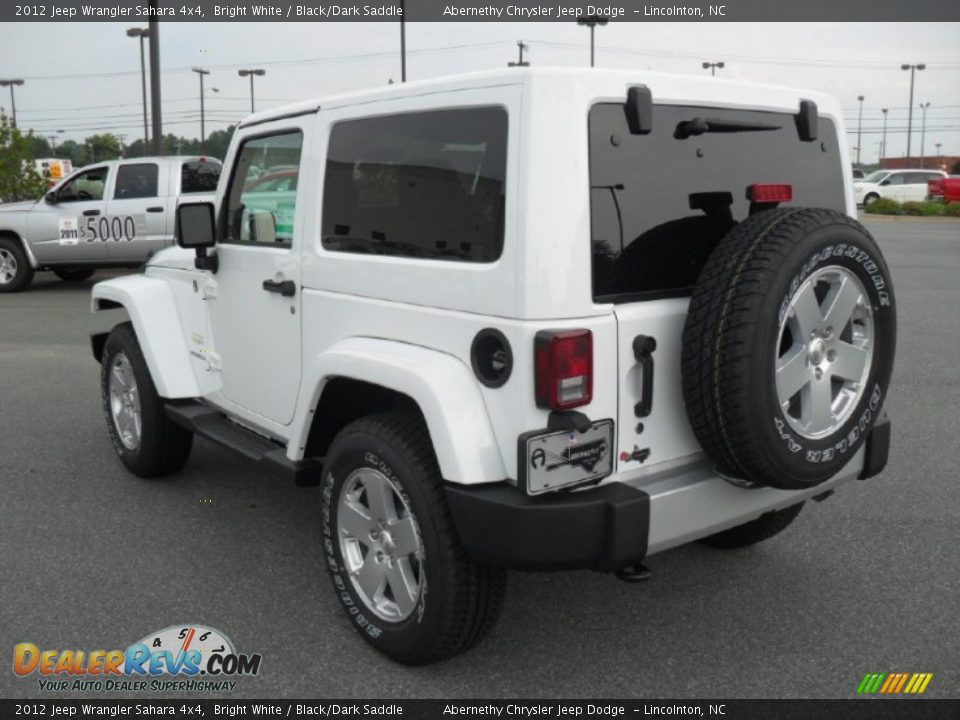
x=616 y=525
x=605 y=528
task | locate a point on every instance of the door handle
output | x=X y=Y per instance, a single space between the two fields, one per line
x=155 y=209
x=91 y=213
x=287 y=288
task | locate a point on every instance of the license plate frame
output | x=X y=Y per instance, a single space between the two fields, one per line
x=545 y=462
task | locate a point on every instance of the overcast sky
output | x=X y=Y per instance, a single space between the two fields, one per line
x=84 y=78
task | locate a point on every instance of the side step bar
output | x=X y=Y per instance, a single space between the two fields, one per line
x=214 y=426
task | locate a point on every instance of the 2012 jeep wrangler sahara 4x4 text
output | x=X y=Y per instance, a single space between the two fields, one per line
x=533 y=319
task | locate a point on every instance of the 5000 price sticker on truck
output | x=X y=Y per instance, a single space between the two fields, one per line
x=116 y=228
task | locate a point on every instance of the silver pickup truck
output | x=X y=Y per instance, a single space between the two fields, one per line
x=110 y=214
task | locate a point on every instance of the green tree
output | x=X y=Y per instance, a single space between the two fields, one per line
x=955 y=170
x=18 y=178
x=104 y=147
x=219 y=141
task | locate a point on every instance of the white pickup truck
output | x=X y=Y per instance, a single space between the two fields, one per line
x=538 y=319
x=109 y=214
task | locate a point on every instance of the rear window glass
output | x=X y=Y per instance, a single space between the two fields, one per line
x=426 y=185
x=199 y=176
x=660 y=202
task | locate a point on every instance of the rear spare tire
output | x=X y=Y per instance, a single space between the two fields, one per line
x=788 y=347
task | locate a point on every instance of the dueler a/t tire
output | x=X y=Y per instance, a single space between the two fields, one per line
x=458 y=600
x=751 y=312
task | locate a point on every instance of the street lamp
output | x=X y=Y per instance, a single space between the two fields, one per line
x=913 y=71
x=521 y=47
x=923 y=132
x=13 y=100
x=859 y=127
x=203 y=134
x=251 y=73
x=883 y=147
x=591 y=21
x=713 y=67
x=938 y=146
x=142 y=33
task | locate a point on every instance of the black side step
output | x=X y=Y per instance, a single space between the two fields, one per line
x=215 y=427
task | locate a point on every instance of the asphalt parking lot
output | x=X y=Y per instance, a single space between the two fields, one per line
x=95 y=558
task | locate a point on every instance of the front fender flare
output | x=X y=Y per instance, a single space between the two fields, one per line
x=152 y=309
x=443 y=387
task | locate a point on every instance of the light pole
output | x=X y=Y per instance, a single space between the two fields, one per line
x=142 y=33
x=883 y=147
x=913 y=71
x=713 y=67
x=859 y=127
x=13 y=100
x=923 y=132
x=521 y=47
x=251 y=73
x=203 y=135
x=938 y=146
x=591 y=21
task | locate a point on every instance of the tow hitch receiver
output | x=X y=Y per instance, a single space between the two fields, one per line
x=635 y=573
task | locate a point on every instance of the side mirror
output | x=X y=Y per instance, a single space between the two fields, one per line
x=196 y=228
x=51 y=197
x=263 y=227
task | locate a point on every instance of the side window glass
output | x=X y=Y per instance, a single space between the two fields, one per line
x=895 y=179
x=428 y=185
x=136 y=181
x=262 y=198
x=85 y=186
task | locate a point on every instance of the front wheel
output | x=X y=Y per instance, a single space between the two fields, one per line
x=392 y=551
x=15 y=271
x=870 y=199
x=142 y=435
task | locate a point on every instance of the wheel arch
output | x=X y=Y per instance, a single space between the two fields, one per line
x=362 y=375
x=153 y=312
x=17 y=238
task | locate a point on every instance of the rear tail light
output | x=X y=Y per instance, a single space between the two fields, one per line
x=769 y=193
x=935 y=187
x=564 y=368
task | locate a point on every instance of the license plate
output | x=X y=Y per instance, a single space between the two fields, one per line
x=554 y=460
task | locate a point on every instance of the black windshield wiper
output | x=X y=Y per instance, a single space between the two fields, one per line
x=699 y=126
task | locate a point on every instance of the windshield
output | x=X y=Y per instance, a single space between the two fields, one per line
x=876 y=176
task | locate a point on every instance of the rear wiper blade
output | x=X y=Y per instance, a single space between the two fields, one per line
x=699 y=126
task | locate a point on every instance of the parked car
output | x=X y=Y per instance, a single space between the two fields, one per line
x=53 y=169
x=944 y=190
x=497 y=340
x=899 y=185
x=110 y=214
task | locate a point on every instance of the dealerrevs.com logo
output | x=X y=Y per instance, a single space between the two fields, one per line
x=178 y=658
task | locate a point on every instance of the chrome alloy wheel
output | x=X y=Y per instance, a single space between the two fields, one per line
x=380 y=544
x=8 y=267
x=125 y=402
x=824 y=352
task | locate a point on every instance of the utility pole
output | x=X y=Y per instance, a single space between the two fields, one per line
x=120 y=137
x=883 y=150
x=713 y=67
x=251 y=73
x=403 y=42
x=938 y=146
x=521 y=46
x=142 y=34
x=155 y=81
x=203 y=132
x=923 y=133
x=591 y=21
x=913 y=70
x=859 y=127
x=13 y=100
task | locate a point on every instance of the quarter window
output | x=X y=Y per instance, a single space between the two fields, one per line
x=136 y=181
x=255 y=215
x=199 y=176
x=428 y=185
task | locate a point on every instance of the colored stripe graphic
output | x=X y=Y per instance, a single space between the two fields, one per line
x=894 y=683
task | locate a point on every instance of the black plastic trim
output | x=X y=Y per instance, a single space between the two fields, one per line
x=876 y=450
x=605 y=528
x=98 y=340
x=807 y=120
x=477 y=346
x=639 y=110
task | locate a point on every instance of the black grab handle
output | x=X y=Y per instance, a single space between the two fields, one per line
x=287 y=288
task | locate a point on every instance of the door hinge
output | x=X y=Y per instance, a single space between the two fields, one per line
x=209 y=288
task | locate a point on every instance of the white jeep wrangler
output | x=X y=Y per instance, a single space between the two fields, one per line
x=532 y=319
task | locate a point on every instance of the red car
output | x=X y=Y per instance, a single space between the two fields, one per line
x=945 y=190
